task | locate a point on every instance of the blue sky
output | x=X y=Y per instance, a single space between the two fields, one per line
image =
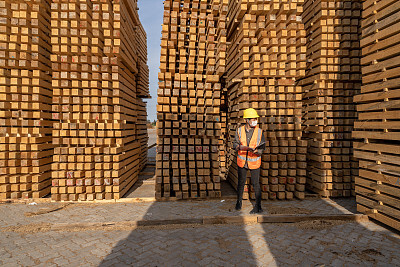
x=151 y=16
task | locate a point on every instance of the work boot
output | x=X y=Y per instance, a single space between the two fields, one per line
x=238 y=205
x=256 y=209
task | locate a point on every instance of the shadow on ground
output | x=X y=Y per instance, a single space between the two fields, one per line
x=311 y=243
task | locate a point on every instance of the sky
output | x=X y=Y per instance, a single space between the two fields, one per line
x=151 y=17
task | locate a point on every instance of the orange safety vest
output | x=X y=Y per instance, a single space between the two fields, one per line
x=253 y=160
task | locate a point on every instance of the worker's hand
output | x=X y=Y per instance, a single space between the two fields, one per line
x=257 y=152
x=244 y=148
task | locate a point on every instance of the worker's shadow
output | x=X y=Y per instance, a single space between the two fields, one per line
x=192 y=244
x=308 y=243
x=326 y=242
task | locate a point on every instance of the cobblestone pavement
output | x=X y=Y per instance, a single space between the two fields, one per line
x=342 y=244
x=18 y=214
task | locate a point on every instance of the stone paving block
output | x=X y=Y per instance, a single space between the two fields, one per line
x=112 y=262
x=61 y=261
x=92 y=260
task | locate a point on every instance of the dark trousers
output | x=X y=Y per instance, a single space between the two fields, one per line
x=255 y=181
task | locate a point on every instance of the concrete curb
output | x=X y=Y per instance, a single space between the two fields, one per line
x=131 y=200
x=206 y=220
x=121 y=200
x=311 y=217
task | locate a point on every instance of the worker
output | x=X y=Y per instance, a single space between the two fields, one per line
x=250 y=144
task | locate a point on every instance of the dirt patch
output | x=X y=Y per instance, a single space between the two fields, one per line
x=28 y=229
x=272 y=209
x=169 y=226
x=365 y=254
x=47 y=210
x=319 y=224
x=326 y=244
x=47 y=227
x=395 y=239
x=371 y=251
x=119 y=226
x=227 y=205
x=223 y=243
x=52 y=207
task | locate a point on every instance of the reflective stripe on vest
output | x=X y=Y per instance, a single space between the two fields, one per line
x=253 y=160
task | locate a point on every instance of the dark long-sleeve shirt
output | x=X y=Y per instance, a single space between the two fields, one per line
x=249 y=134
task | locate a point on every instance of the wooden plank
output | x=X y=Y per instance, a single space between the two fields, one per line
x=377 y=157
x=377 y=97
x=386 y=189
x=385 y=148
x=372 y=213
x=377 y=135
x=380 y=208
x=372 y=193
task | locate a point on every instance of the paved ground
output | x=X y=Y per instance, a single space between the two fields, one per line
x=349 y=244
x=313 y=243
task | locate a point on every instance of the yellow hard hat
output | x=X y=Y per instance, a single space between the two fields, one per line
x=250 y=113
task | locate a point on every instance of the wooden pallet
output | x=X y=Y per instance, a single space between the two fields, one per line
x=377 y=128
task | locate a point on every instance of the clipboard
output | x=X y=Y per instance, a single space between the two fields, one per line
x=257 y=147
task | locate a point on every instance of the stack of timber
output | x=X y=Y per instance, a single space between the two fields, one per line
x=25 y=99
x=190 y=139
x=220 y=8
x=142 y=86
x=141 y=132
x=266 y=57
x=99 y=75
x=378 y=184
x=333 y=77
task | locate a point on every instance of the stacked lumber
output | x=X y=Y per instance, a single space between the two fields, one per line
x=332 y=79
x=266 y=57
x=190 y=138
x=99 y=75
x=378 y=184
x=220 y=12
x=142 y=85
x=141 y=132
x=25 y=98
